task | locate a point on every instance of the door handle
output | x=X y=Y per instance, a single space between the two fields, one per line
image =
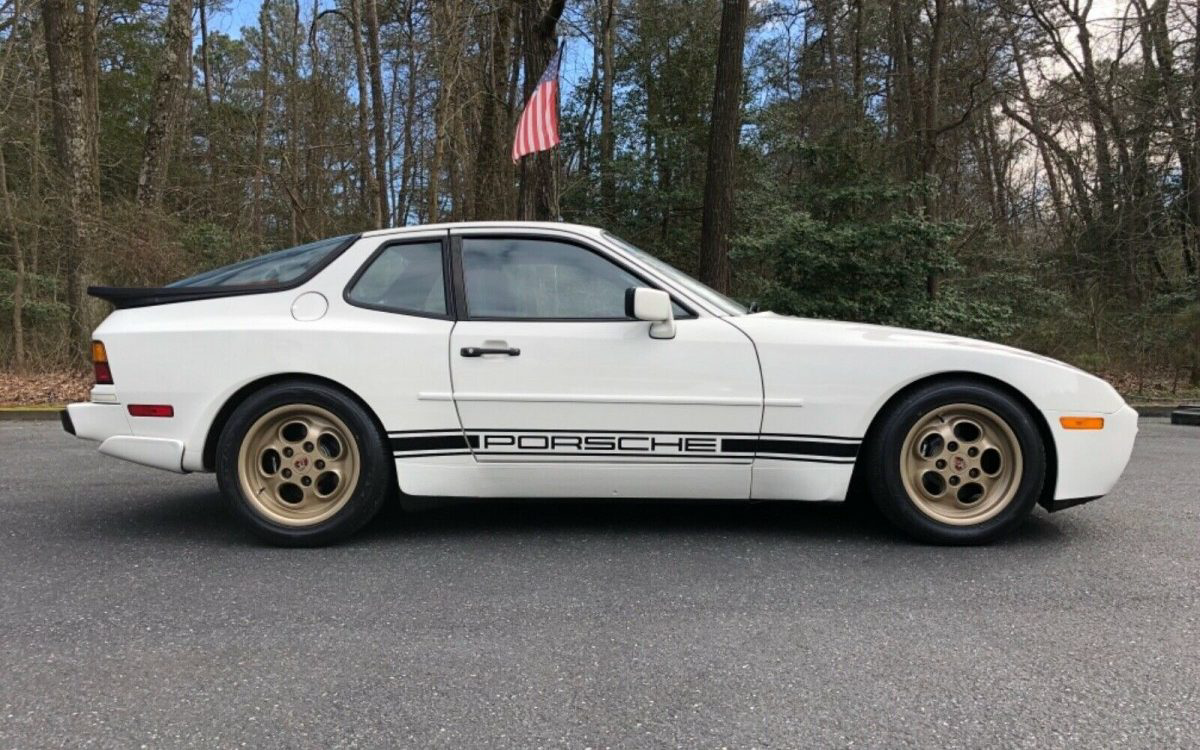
x=479 y=351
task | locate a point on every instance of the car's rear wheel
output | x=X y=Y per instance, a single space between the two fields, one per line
x=303 y=464
x=956 y=463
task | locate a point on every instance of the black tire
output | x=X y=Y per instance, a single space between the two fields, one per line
x=884 y=450
x=376 y=471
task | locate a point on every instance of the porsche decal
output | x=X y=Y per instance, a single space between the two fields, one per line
x=636 y=444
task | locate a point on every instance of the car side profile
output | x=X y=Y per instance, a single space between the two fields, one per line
x=522 y=359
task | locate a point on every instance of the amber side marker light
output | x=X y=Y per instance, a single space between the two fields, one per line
x=1082 y=423
x=151 y=410
x=100 y=364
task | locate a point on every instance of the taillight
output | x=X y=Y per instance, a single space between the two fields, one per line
x=100 y=364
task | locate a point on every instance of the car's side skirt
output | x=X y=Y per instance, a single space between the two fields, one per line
x=499 y=462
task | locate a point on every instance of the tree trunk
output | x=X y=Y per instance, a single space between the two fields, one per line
x=264 y=117
x=170 y=85
x=72 y=150
x=18 y=290
x=539 y=183
x=409 y=167
x=210 y=152
x=857 y=62
x=722 y=146
x=317 y=121
x=91 y=86
x=608 y=183
x=377 y=109
x=493 y=186
x=35 y=145
x=370 y=196
x=929 y=151
x=291 y=107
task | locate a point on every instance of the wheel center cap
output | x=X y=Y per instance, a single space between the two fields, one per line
x=959 y=463
x=302 y=463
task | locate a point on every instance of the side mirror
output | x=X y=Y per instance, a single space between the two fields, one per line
x=651 y=305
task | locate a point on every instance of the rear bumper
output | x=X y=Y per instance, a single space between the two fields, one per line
x=108 y=424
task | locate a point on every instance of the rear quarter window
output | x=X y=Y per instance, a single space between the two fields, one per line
x=273 y=269
x=403 y=278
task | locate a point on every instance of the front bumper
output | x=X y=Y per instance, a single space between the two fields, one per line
x=1091 y=461
x=108 y=424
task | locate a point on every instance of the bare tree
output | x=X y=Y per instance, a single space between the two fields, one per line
x=10 y=219
x=493 y=184
x=377 y=110
x=72 y=148
x=18 y=292
x=264 y=117
x=369 y=188
x=607 y=46
x=174 y=73
x=722 y=146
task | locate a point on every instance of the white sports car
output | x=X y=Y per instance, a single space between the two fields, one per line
x=551 y=360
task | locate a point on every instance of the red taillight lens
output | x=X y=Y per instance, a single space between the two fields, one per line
x=103 y=374
x=100 y=364
x=151 y=410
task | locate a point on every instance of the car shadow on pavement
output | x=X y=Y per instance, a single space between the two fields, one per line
x=202 y=517
x=855 y=522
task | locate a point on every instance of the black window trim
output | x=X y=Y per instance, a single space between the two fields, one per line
x=460 y=287
x=125 y=297
x=446 y=287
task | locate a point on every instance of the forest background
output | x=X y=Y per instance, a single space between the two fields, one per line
x=1019 y=170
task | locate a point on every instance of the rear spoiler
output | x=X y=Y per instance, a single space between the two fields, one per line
x=122 y=297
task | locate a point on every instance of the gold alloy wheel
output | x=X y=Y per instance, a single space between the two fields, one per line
x=961 y=464
x=298 y=465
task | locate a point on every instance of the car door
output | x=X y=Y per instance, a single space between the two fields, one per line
x=561 y=394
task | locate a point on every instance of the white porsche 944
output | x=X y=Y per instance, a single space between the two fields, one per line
x=551 y=360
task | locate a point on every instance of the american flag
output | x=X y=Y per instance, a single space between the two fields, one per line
x=538 y=128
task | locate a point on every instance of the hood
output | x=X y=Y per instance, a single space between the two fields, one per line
x=893 y=336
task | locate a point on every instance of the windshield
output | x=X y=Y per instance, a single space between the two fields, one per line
x=272 y=269
x=706 y=293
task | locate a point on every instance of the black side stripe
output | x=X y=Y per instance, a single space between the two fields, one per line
x=790 y=447
x=424 y=443
x=721 y=447
x=754 y=435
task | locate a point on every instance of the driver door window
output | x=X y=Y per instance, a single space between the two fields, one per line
x=539 y=279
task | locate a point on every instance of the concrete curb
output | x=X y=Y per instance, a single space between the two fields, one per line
x=46 y=411
x=1154 y=410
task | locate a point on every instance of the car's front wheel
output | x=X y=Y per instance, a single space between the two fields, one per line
x=303 y=464
x=956 y=463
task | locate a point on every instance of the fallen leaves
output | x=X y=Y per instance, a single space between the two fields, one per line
x=29 y=389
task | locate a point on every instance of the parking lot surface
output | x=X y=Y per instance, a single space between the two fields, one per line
x=134 y=611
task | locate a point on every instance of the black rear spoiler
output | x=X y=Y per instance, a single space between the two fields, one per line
x=123 y=296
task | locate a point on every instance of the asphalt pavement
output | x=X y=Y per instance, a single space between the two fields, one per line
x=134 y=612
